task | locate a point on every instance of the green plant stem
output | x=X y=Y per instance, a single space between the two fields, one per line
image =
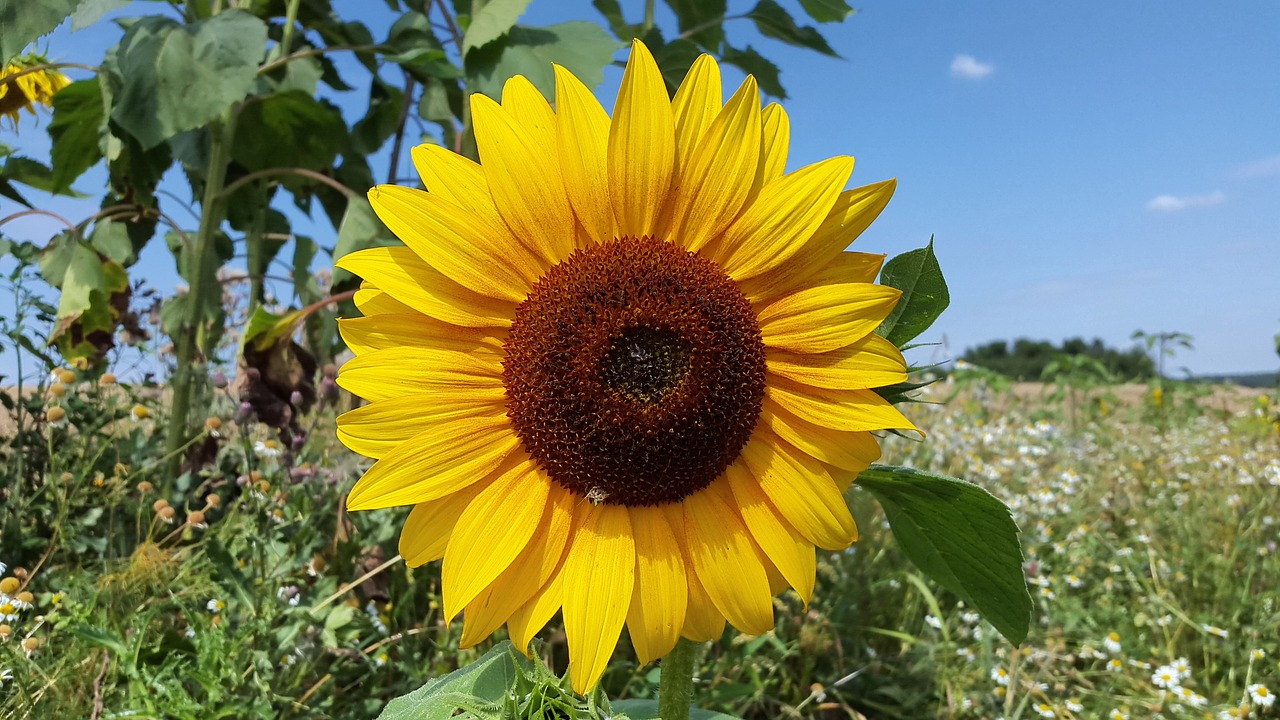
x=255 y=241
x=290 y=19
x=675 y=684
x=220 y=133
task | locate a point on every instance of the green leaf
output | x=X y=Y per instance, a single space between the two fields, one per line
x=674 y=60
x=289 y=129
x=961 y=537
x=91 y=11
x=700 y=20
x=8 y=190
x=169 y=78
x=95 y=292
x=581 y=47
x=75 y=131
x=924 y=294
x=825 y=11
x=227 y=573
x=612 y=12
x=766 y=73
x=100 y=637
x=22 y=22
x=265 y=329
x=480 y=686
x=772 y=20
x=111 y=238
x=494 y=20
x=637 y=709
x=371 y=131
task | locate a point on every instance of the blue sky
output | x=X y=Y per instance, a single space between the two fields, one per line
x=1088 y=170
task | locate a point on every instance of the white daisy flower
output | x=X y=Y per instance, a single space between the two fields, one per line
x=1112 y=643
x=1001 y=676
x=1261 y=695
x=1214 y=630
x=1165 y=677
x=1117 y=715
x=1183 y=666
x=1045 y=711
x=1075 y=705
x=215 y=605
x=933 y=622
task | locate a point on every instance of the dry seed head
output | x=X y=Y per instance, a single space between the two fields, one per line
x=25 y=597
x=195 y=517
x=31 y=644
x=213 y=424
x=214 y=500
x=166 y=513
x=255 y=476
x=66 y=376
x=6 y=632
x=160 y=505
x=20 y=573
x=145 y=487
x=107 y=379
x=140 y=412
x=9 y=585
x=57 y=389
x=55 y=414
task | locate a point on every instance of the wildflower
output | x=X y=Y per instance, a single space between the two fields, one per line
x=1261 y=695
x=1114 y=665
x=6 y=632
x=56 y=416
x=26 y=90
x=381 y=659
x=1256 y=653
x=8 y=612
x=9 y=585
x=1116 y=714
x=145 y=487
x=215 y=606
x=1213 y=630
x=195 y=518
x=289 y=594
x=3 y=567
x=166 y=514
x=267 y=448
x=139 y=412
x=5 y=675
x=1047 y=594
x=58 y=390
x=213 y=500
x=933 y=622
x=31 y=645
x=1074 y=705
x=1112 y=643
x=1182 y=666
x=213 y=425
x=590 y=309
x=1000 y=675
x=1045 y=711
x=1191 y=697
x=107 y=379
x=1165 y=677
x=24 y=600
x=1075 y=581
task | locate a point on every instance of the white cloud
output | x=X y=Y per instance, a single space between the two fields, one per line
x=1174 y=203
x=969 y=68
x=1266 y=167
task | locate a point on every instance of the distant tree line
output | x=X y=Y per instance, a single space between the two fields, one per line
x=1026 y=359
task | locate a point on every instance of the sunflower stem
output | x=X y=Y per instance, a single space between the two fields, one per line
x=675 y=684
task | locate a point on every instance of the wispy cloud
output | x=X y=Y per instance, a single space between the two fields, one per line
x=1175 y=203
x=970 y=68
x=1266 y=167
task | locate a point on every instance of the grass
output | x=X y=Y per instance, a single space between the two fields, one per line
x=242 y=589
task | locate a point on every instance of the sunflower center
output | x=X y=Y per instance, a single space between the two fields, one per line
x=634 y=372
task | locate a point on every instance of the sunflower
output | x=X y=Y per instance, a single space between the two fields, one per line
x=623 y=367
x=29 y=89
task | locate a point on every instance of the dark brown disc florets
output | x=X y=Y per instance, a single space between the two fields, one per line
x=634 y=372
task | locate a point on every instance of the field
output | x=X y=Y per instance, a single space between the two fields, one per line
x=241 y=589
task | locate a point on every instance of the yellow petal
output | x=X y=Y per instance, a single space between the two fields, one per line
x=802 y=491
x=599 y=578
x=660 y=597
x=702 y=621
x=788 y=550
x=583 y=140
x=775 y=128
x=398 y=371
x=493 y=530
x=523 y=174
x=425 y=534
x=717 y=180
x=537 y=611
x=826 y=317
x=458 y=179
x=366 y=334
x=377 y=428
x=849 y=451
x=871 y=362
x=851 y=214
x=372 y=301
x=854 y=410
x=782 y=218
x=407 y=278
x=848 y=267
x=527 y=573
x=642 y=146
x=475 y=253
x=725 y=558
x=695 y=105
x=438 y=461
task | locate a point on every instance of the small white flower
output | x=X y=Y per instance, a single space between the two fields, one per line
x=1213 y=630
x=3 y=567
x=287 y=660
x=1258 y=654
x=1001 y=676
x=1165 y=677
x=1112 y=643
x=215 y=605
x=933 y=622
x=1183 y=668
x=1261 y=695
x=5 y=675
x=1047 y=594
x=966 y=653
x=191 y=632
x=1045 y=711
x=1117 y=715
x=1075 y=581
x=1114 y=665
x=1074 y=706
x=1164 y=620
x=267 y=448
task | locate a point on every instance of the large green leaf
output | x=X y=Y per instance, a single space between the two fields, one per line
x=22 y=22
x=700 y=20
x=75 y=131
x=753 y=63
x=289 y=129
x=479 y=689
x=961 y=537
x=924 y=294
x=581 y=47
x=494 y=20
x=772 y=20
x=95 y=294
x=171 y=78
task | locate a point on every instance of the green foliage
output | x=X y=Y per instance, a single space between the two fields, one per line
x=961 y=537
x=924 y=294
x=1027 y=359
x=22 y=23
